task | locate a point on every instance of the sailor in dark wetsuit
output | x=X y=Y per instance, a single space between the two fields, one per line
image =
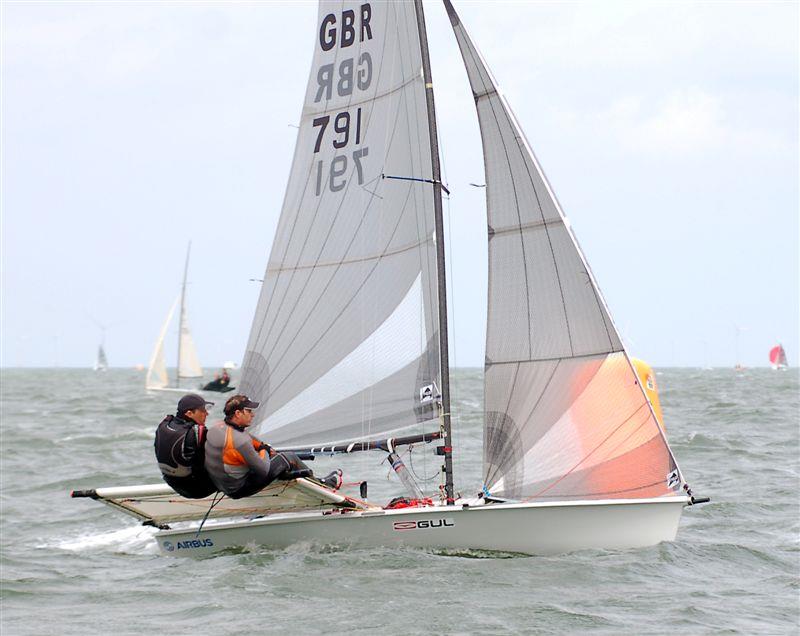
x=221 y=382
x=180 y=448
x=240 y=465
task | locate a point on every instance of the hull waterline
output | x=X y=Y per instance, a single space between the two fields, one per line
x=526 y=528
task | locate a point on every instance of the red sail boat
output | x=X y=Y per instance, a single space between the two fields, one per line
x=777 y=357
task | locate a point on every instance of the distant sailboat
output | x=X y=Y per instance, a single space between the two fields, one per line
x=188 y=365
x=777 y=357
x=738 y=366
x=101 y=362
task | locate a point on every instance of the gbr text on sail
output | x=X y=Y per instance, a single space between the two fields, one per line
x=342 y=130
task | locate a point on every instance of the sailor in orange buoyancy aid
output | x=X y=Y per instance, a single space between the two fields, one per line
x=239 y=464
x=180 y=452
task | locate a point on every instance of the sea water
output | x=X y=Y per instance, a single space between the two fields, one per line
x=75 y=566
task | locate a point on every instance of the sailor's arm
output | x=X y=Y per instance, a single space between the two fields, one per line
x=258 y=461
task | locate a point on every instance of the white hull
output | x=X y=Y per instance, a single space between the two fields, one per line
x=172 y=389
x=527 y=528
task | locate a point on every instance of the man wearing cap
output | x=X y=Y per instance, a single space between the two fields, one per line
x=180 y=448
x=239 y=464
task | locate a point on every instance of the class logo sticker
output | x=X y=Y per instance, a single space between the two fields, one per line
x=168 y=546
x=673 y=480
x=426 y=394
x=422 y=524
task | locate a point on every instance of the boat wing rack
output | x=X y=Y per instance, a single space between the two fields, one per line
x=158 y=504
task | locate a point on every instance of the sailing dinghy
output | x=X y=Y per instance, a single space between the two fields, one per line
x=188 y=365
x=777 y=358
x=348 y=345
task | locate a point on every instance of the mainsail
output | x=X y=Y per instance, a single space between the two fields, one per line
x=188 y=363
x=344 y=343
x=101 y=362
x=157 y=377
x=565 y=415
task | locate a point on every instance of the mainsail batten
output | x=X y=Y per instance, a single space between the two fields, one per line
x=565 y=415
x=337 y=351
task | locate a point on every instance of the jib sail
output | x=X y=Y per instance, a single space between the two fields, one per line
x=565 y=415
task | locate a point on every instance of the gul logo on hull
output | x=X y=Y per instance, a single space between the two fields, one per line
x=423 y=524
x=187 y=545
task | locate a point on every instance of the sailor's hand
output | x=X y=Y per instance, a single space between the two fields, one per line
x=270 y=451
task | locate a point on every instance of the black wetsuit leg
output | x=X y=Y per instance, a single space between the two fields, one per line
x=192 y=487
x=294 y=461
x=253 y=483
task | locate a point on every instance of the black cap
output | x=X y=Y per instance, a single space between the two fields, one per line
x=239 y=402
x=190 y=402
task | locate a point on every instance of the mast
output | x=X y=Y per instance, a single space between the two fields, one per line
x=441 y=272
x=180 y=317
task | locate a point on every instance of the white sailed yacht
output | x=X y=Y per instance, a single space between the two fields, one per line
x=348 y=345
x=101 y=361
x=188 y=366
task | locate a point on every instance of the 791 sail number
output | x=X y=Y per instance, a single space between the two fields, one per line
x=346 y=129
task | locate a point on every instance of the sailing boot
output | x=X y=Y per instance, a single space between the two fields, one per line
x=333 y=480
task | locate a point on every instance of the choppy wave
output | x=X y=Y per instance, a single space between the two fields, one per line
x=75 y=566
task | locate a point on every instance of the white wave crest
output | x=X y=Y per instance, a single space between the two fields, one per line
x=131 y=540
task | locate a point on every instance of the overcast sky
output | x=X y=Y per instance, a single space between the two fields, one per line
x=669 y=131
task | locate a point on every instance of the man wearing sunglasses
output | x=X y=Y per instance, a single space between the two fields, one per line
x=180 y=448
x=239 y=464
